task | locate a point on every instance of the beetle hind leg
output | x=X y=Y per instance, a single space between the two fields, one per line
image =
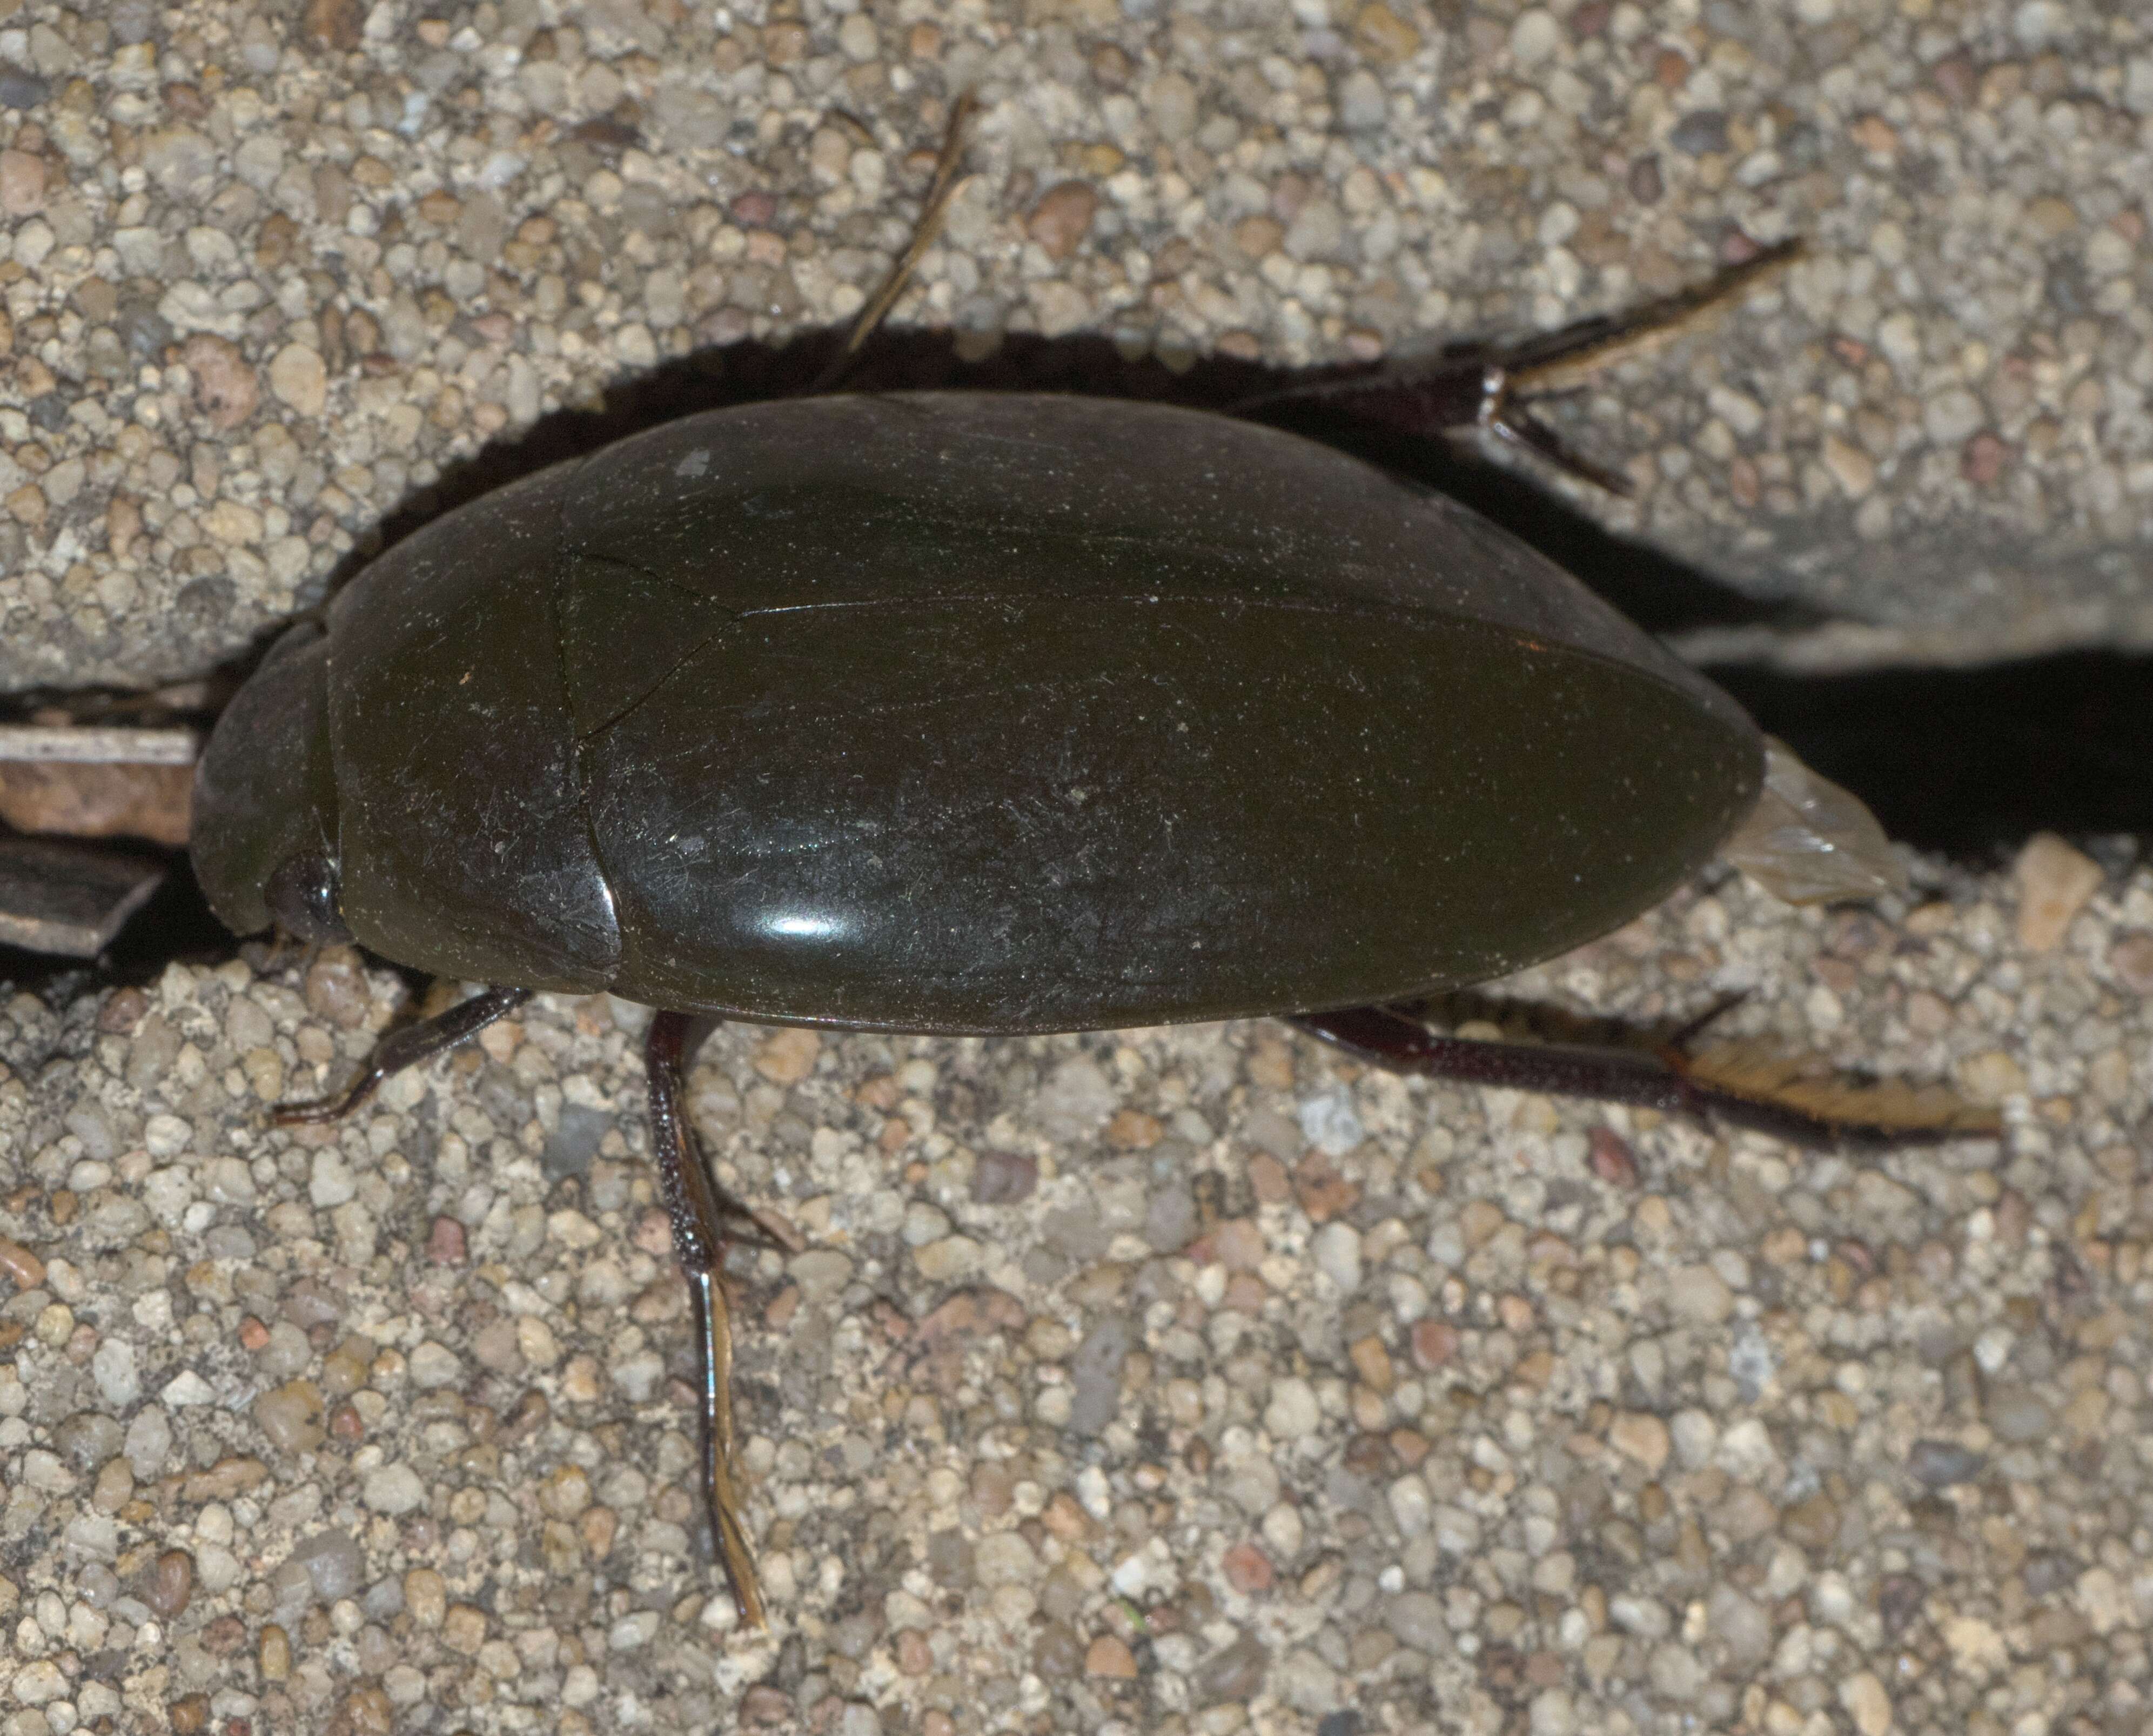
x=1739 y=1084
x=705 y=1219
x=1494 y=388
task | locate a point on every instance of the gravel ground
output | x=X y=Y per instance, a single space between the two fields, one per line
x=1127 y=1378
x=269 y=268
x=1170 y=1381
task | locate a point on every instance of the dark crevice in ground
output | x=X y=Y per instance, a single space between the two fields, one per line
x=1971 y=761
x=1965 y=762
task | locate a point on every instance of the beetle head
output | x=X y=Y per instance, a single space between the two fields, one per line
x=265 y=813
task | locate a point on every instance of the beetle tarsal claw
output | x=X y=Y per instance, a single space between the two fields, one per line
x=714 y=1325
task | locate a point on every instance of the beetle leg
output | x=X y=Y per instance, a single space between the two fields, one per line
x=1518 y=425
x=1573 y=354
x=1446 y=394
x=411 y=1046
x=1493 y=389
x=1738 y=1085
x=931 y=211
x=1679 y=1040
x=698 y=1210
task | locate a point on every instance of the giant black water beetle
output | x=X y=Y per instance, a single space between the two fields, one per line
x=958 y=712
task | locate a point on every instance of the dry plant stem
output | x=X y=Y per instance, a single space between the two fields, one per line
x=97 y=745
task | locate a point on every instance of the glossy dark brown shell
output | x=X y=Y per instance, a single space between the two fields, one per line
x=959 y=712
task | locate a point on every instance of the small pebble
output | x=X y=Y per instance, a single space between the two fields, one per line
x=1944 y=1464
x=1096 y=1375
x=1060 y=219
x=1108 y=1657
x=1698 y=1294
x=21 y=183
x=1416 y=1617
x=1813 y=1523
x=1292 y=1412
x=434 y=1364
x=273 y=1653
x=334 y=1564
x=1005 y=1558
x=1434 y=1343
x=1853 y=469
x=763 y=1707
x=1611 y=1157
x=2017 y=1414
x=170 y=1586
x=565 y=1493
x=225 y=387
x=1003 y=1178
x=1643 y=1438
x=336 y=988
x=1234 y=1675
x=290 y=1416
x=787 y=1056
x=1337 y=1249
x=1866 y=1704
x=2130 y=957
x=1984 y=459
x=299 y=380
x=1247 y=1569
x=444 y=1242
x=2054 y=882
x=1700 y=134
x=19 y=89
x=392 y=1489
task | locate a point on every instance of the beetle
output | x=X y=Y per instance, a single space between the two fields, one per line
x=988 y=713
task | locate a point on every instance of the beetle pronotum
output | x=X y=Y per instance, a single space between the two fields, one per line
x=986 y=713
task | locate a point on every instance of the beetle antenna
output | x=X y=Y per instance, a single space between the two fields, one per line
x=932 y=212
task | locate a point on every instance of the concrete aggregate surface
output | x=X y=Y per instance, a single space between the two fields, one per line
x=270 y=269
x=1169 y=1381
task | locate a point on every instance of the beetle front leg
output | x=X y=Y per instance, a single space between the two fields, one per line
x=412 y=1046
x=698 y=1210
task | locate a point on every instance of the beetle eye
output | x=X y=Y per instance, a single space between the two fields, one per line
x=302 y=895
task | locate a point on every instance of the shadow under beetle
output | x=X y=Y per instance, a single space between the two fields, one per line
x=969 y=713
